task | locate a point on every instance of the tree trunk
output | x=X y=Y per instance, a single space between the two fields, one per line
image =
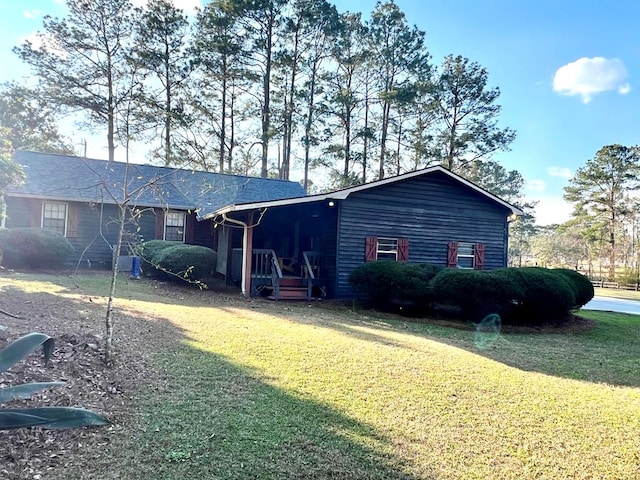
x=109 y=319
x=167 y=119
x=266 y=115
x=223 y=113
x=612 y=245
x=386 y=110
x=309 y=124
x=365 y=143
x=111 y=129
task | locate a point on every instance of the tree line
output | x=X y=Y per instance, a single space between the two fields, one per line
x=262 y=87
x=602 y=237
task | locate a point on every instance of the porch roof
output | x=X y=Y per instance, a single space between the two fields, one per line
x=344 y=193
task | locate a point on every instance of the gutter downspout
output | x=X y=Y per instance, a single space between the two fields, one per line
x=245 y=237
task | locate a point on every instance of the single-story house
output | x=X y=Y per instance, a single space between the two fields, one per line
x=269 y=236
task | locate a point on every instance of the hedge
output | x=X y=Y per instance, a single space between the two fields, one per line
x=33 y=248
x=581 y=285
x=177 y=260
x=386 y=284
x=149 y=251
x=545 y=296
x=475 y=293
x=529 y=295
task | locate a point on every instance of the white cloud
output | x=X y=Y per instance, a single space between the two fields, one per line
x=535 y=185
x=31 y=13
x=189 y=6
x=624 y=89
x=551 y=210
x=589 y=76
x=559 y=172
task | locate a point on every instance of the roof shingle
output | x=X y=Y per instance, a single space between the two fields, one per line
x=69 y=178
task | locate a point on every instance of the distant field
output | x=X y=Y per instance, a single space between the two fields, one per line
x=617 y=293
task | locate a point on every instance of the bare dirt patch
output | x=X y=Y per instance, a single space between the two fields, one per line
x=74 y=322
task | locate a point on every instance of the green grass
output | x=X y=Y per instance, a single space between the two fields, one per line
x=287 y=391
x=617 y=293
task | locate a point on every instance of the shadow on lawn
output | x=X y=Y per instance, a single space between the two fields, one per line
x=220 y=420
x=609 y=353
x=204 y=417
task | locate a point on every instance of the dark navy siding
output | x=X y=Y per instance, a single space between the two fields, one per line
x=430 y=211
x=203 y=233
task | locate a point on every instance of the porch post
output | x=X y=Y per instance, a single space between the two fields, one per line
x=247 y=247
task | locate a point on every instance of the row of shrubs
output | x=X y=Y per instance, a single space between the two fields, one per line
x=519 y=295
x=42 y=248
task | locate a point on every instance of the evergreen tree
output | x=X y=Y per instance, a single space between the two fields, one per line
x=400 y=59
x=161 y=54
x=466 y=115
x=31 y=121
x=600 y=190
x=82 y=63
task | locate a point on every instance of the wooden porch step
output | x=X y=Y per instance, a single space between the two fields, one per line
x=291 y=293
x=293 y=282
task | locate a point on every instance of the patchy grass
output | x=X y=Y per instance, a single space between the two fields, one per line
x=275 y=390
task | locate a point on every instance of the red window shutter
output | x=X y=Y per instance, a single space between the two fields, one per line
x=478 y=252
x=452 y=256
x=403 y=249
x=371 y=249
x=159 y=224
x=189 y=221
x=72 y=220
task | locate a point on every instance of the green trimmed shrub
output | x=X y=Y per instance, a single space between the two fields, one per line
x=545 y=295
x=475 y=293
x=581 y=285
x=387 y=284
x=188 y=262
x=33 y=248
x=149 y=251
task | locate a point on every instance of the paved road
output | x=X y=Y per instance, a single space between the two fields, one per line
x=614 y=305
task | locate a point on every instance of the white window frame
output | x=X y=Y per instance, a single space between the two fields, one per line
x=183 y=225
x=387 y=246
x=472 y=255
x=66 y=215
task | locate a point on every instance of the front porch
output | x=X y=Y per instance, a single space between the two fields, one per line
x=284 y=253
x=273 y=278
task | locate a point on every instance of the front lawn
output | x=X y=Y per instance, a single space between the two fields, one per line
x=275 y=390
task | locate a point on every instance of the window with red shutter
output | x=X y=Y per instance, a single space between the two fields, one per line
x=452 y=255
x=403 y=249
x=371 y=249
x=478 y=263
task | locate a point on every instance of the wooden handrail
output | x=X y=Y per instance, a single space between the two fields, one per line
x=307 y=264
x=275 y=264
x=264 y=270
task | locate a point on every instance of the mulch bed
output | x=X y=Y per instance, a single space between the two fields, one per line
x=78 y=359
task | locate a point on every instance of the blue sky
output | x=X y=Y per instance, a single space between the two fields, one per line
x=567 y=72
